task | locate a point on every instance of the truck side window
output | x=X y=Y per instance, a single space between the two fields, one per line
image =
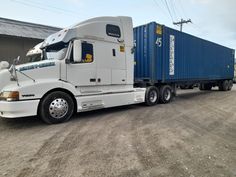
x=113 y=31
x=87 y=52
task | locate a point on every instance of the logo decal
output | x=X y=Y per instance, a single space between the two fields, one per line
x=35 y=66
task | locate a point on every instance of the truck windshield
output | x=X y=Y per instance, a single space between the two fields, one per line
x=33 y=58
x=56 y=51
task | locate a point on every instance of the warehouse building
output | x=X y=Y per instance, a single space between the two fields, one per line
x=17 y=37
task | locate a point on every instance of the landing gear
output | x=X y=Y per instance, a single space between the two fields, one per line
x=205 y=86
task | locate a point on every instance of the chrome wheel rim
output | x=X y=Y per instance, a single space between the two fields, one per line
x=58 y=108
x=167 y=94
x=153 y=96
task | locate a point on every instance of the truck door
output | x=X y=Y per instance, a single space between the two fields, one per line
x=83 y=73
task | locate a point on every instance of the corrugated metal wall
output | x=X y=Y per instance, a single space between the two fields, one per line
x=197 y=59
x=11 y=47
x=192 y=58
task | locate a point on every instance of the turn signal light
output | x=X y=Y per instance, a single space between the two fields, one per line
x=9 y=96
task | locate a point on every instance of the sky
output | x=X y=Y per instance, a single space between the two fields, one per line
x=213 y=20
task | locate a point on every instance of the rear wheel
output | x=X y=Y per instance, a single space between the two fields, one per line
x=224 y=85
x=231 y=84
x=166 y=94
x=151 y=96
x=56 y=107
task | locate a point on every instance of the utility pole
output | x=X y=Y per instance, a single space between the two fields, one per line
x=182 y=22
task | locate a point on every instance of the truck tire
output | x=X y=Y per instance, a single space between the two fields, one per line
x=231 y=84
x=224 y=85
x=152 y=96
x=166 y=94
x=56 y=107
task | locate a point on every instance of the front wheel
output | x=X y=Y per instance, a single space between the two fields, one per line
x=151 y=96
x=56 y=107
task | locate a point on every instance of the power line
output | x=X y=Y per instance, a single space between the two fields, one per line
x=167 y=6
x=178 y=11
x=182 y=8
x=173 y=9
x=54 y=7
x=160 y=8
x=45 y=7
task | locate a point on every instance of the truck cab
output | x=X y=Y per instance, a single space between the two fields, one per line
x=85 y=67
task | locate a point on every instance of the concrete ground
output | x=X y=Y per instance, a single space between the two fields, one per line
x=194 y=136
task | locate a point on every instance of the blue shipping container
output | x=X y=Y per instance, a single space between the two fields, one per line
x=166 y=55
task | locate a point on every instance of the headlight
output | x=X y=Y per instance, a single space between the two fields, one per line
x=9 y=96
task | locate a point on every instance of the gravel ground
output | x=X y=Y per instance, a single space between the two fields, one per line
x=194 y=136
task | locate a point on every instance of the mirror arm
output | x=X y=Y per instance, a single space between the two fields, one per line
x=67 y=61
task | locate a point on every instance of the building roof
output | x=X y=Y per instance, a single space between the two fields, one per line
x=24 y=29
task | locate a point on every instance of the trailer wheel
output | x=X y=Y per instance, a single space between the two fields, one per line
x=166 y=94
x=231 y=84
x=56 y=107
x=224 y=85
x=151 y=96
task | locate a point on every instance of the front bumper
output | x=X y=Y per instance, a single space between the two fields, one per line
x=18 y=109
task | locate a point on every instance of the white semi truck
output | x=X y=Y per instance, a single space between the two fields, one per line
x=103 y=62
x=86 y=67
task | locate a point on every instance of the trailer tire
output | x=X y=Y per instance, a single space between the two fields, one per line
x=166 y=94
x=231 y=84
x=224 y=85
x=56 y=107
x=152 y=96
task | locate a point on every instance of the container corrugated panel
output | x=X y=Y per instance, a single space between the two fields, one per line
x=166 y=55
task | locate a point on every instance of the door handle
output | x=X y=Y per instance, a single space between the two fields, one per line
x=99 y=79
x=92 y=80
x=120 y=40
